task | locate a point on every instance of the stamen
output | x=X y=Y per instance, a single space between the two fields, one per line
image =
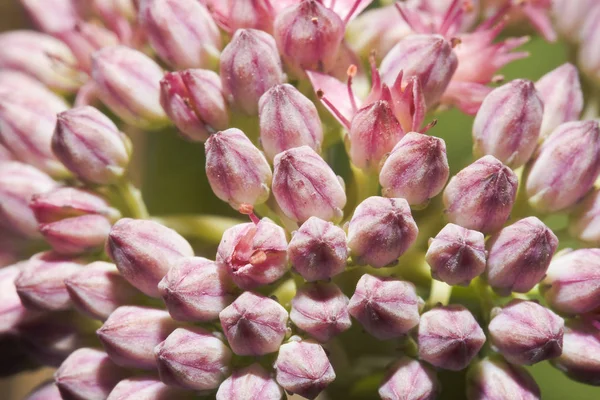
x=248 y=209
x=351 y=74
x=338 y=114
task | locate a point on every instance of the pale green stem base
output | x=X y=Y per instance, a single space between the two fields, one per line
x=132 y=200
x=440 y=293
x=207 y=228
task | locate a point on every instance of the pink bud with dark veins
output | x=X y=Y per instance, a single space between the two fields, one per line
x=449 y=337
x=321 y=310
x=250 y=66
x=305 y=186
x=254 y=325
x=63 y=14
x=12 y=310
x=481 y=196
x=144 y=251
x=84 y=38
x=508 y=123
x=386 y=308
x=584 y=222
x=46 y=391
x=196 y=289
x=288 y=119
x=580 y=358
x=237 y=171
x=494 y=378
x=409 y=379
x=130 y=334
x=147 y=388
x=302 y=368
x=232 y=15
x=250 y=383
x=376 y=218
x=416 y=170
x=318 y=250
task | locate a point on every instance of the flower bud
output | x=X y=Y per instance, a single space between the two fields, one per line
x=193 y=358
x=428 y=57
x=63 y=14
x=568 y=20
x=118 y=69
x=580 y=358
x=376 y=218
x=481 y=196
x=508 y=123
x=41 y=282
x=302 y=368
x=250 y=66
x=305 y=186
x=409 y=379
x=555 y=180
x=254 y=324
x=12 y=310
x=46 y=391
x=249 y=383
x=193 y=100
x=584 y=222
x=321 y=310
x=519 y=256
x=560 y=91
x=87 y=374
x=386 y=308
x=147 y=388
x=493 y=378
x=232 y=15
x=144 y=251
x=196 y=289
x=288 y=119
x=130 y=334
x=84 y=38
x=318 y=250
x=572 y=283
x=98 y=289
x=587 y=58
x=416 y=170
x=449 y=337
x=91 y=146
x=237 y=171
x=76 y=235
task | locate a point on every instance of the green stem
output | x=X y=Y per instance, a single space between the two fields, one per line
x=440 y=293
x=486 y=300
x=208 y=228
x=132 y=200
x=365 y=185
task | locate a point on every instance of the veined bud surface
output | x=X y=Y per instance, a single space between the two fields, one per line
x=508 y=123
x=580 y=358
x=386 y=308
x=584 y=222
x=249 y=383
x=318 y=250
x=237 y=171
x=12 y=310
x=519 y=256
x=380 y=231
x=416 y=170
x=481 y=196
x=254 y=324
x=588 y=60
x=494 y=378
x=250 y=66
x=288 y=119
x=409 y=379
x=569 y=21
x=69 y=202
x=63 y=16
x=147 y=388
x=232 y=15
x=566 y=167
x=84 y=38
x=305 y=186
x=193 y=358
x=144 y=251
x=449 y=337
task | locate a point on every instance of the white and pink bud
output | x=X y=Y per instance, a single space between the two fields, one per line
x=85 y=38
x=45 y=391
x=12 y=310
x=248 y=383
x=147 y=388
x=569 y=21
x=232 y=15
x=494 y=378
x=584 y=222
x=409 y=379
x=580 y=358
x=63 y=14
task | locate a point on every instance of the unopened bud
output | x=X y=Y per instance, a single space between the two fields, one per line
x=147 y=388
x=409 y=379
x=248 y=383
x=232 y=15
x=12 y=310
x=63 y=16
x=494 y=378
x=585 y=220
x=46 y=391
x=569 y=21
x=588 y=60
x=580 y=358
x=84 y=39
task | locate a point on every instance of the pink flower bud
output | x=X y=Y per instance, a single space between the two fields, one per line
x=12 y=310
x=144 y=251
x=519 y=256
x=572 y=283
x=449 y=337
x=318 y=250
x=118 y=69
x=147 y=388
x=321 y=310
x=250 y=66
x=254 y=324
x=193 y=100
x=52 y=16
x=237 y=171
x=91 y=146
x=196 y=289
x=77 y=235
x=46 y=391
x=585 y=220
x=288 y=119
x=98 y=289
x=580 y=358
x=560 y=90
x=569 y=21
x=250 y=383
x=481 y=196
x=305 y=186
x=376 y=218
x=493 y=378
x=508 y=123
x=588 y=60
x=67 y=202
x=41 y=282
x=386 y=308
x=302 y=368
x=130 y=334
x=428 y=57
x=555 y=180
x=409 y=379
x=87 y=374
x=193 y=358
x=416 y=170
x=84 y=38
x=456 y=255
x=182 y=32
x=525 y=332
x=232 y=15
